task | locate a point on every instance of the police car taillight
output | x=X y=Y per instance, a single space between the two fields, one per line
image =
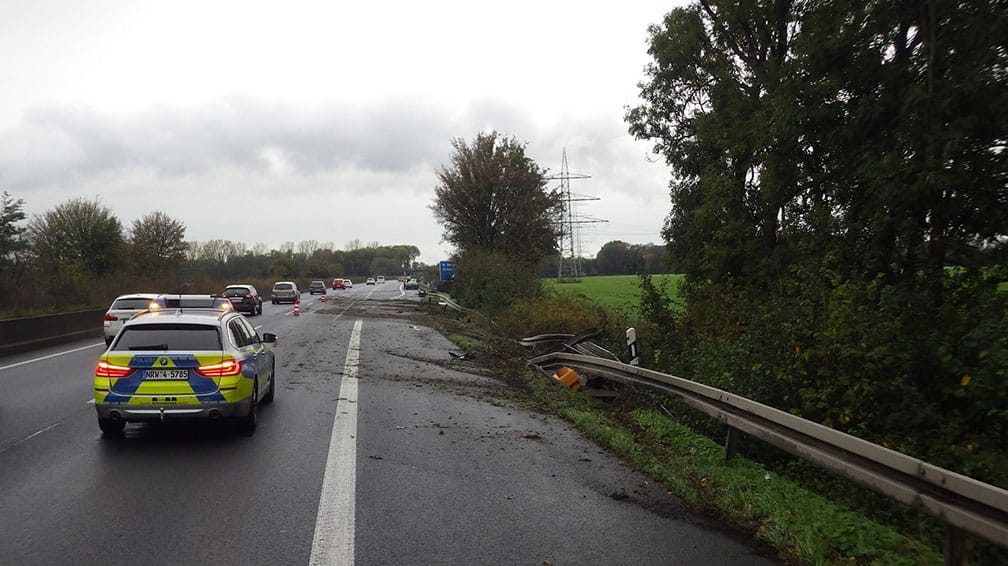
x=111 y=317
x=105 y=369
x=223 y=369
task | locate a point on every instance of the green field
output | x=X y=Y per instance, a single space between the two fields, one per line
x=618 y=292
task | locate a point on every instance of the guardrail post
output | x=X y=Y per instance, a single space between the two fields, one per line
x=731 y=444
x=955 y=546
x=631 y=342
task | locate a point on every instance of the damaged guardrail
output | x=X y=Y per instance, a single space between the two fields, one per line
x=963 y=503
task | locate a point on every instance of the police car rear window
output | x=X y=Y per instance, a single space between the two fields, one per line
x=160 y=337
x=131 y=304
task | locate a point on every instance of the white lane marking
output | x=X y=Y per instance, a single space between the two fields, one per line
x=29 y=437
x=334 y=525
x=50 y=356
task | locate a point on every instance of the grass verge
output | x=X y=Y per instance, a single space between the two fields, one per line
x=802 y=526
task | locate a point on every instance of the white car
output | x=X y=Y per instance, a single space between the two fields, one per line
x=348 y=283
x=122 y=309
x=370 y=281
x=381 y=279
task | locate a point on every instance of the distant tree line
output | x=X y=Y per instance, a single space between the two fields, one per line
x=78 y=254
x=616 y=258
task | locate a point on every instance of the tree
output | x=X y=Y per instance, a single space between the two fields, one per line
x=11 y=240
x=406 y=254
x=308 y=247
x=158 y=242
x=613 y=258
x=719 y=107
x=832 y=159
x=493 y=198
x=384 y=265
x=80 y=233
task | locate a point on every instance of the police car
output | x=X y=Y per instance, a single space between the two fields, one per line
x=196 y=363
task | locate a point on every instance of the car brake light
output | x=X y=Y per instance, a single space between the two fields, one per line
x=111 y=317
x=223 y=369
x=248 y=296
x=105 y=369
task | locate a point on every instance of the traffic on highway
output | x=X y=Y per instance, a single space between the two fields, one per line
x=378 y=448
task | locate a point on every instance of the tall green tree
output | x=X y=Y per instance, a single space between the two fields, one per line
x=11 y=213
x=718 y=106
x=613 y=258
x=493 y=198
x=158 y=242
x=831 y=160
x=79 y=232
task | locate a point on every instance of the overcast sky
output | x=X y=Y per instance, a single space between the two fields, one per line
x=288 y=121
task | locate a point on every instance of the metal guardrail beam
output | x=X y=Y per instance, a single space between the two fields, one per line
x=958 y=500
x=29 y=333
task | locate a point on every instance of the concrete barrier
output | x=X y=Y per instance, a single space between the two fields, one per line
x=33 y=332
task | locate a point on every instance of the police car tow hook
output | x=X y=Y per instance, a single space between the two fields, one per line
x=115 y=415
x=162 y=414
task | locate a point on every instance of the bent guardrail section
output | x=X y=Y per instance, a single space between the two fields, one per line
x=959 y=501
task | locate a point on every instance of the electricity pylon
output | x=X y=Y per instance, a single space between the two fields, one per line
x=570 y=222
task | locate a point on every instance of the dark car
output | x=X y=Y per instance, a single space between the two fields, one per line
x=244 y=298
x=317 y=287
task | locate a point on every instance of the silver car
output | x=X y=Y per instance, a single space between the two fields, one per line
x=285 y=292
x=123 y=308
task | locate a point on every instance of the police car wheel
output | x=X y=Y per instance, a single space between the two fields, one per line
x=111 y=427
x=247 y=424
x=268 y=397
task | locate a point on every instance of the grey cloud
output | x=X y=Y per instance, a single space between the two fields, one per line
x=56 y=146
x=61 y=148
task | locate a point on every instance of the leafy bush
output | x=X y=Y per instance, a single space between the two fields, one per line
x=490 y=281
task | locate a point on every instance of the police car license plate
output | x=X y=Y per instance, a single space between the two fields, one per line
x=167 y=374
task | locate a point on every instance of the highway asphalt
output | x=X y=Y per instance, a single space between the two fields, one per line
x=379 y=449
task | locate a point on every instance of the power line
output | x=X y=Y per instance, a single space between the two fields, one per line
x=571 y=222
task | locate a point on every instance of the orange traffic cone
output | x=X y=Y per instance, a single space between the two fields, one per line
x=322 y=299
x=297 y=308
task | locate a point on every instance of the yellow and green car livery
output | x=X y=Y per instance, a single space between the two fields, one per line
x=191 y=364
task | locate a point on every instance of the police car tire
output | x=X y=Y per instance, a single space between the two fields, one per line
x=268 y=398
x=111 y=427
x=247 y=424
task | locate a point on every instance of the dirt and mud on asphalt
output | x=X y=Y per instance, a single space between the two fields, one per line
x=471 y=401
